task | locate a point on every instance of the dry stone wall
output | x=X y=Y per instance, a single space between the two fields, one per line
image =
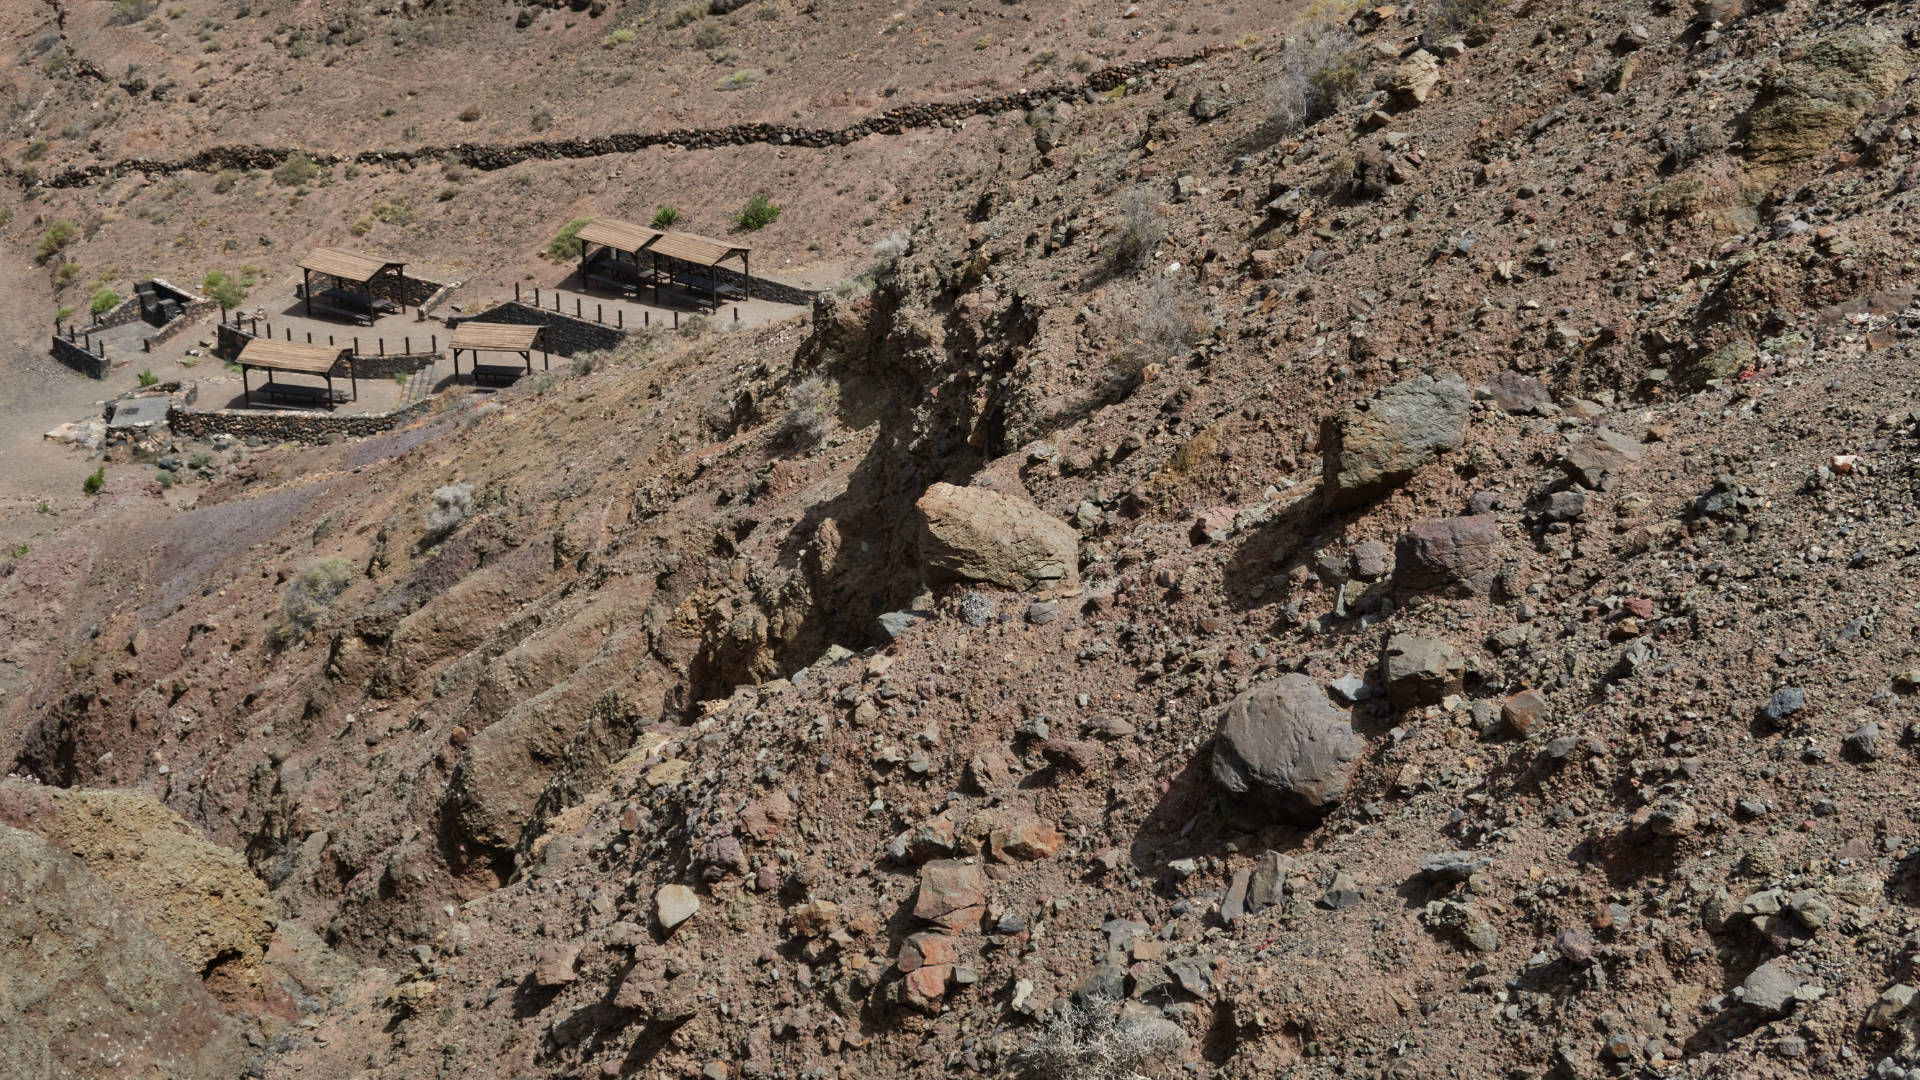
x=275 y=427
x=485 y=156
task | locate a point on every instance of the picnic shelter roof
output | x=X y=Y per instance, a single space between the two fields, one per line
x=287 y=356
x=507 y=337
x=699 y=250
x=616 y=234
x=347 y=265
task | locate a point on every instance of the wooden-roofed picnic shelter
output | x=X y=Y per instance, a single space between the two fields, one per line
x=602 y=243
x=687 y=250
x=479 y=337
x=285 y=357
x=352 y=275
x=690 y=260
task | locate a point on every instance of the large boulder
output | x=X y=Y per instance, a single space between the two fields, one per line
x=87 y=989
x=1452 y=556
x=1372 y=446
x=1811 y=101
x=1283 y=754
x=972 y=534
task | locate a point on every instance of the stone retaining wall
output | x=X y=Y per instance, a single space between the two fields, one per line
x=565 y=335
x=486 y=157
x=75 y=356
x=391 y=364
x=299 y=427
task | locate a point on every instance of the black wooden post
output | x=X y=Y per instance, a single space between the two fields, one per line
x=516 y=292
x=406 y=345
x=576 y=307
x=619 y=319
x=307 y=276
x=599 y=310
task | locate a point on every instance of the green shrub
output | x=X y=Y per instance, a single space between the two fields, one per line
x=307 y=598
x=617 y=38
x=566 y=243
x=665 y=217
x=67 y=274
x=148 y=378
x=104 y=301
x=164 y=477
x=710 y=36
x=224 y=289
x=36 y=150
x=687 y=16
x=95 y=480
x=298 y=170
x=759 y=213
x=60 y=232
x=741 y=79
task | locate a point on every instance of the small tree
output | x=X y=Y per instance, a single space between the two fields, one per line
x=565 y=244
x=759 y=212
x=95 y=481
x=147 y=378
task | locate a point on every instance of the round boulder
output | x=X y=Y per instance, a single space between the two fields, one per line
x=1283 y=754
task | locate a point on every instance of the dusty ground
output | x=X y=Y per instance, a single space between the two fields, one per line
x=486 y=701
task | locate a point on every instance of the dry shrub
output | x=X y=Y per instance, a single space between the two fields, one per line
x=1140 y=230
x=307 y=598
x=1318 y=69
x=1471 y=19
x=452 y=505
x=1098 y=1042
x=1163 y=322
x=811 y=405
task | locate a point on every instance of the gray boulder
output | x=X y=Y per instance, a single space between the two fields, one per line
x=1283 y=754
x=1375 y=445
x=1452 y=556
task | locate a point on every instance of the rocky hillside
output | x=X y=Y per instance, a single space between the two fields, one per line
x=1384 y=551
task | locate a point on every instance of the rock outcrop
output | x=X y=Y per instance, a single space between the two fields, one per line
x=88 y=989
x=200 y=898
